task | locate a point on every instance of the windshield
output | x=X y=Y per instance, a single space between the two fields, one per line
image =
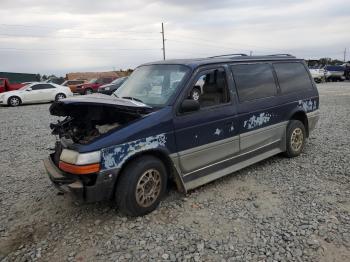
x=153 y=84
x=24 y=87
x=92 y=81
x=118 y=80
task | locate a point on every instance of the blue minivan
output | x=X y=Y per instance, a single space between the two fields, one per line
x=151 y=131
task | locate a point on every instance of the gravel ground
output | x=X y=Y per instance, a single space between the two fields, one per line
x=277 y=210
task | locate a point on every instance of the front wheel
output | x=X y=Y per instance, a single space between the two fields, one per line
x=14 y=101
x=141 y=186
x=295 y=138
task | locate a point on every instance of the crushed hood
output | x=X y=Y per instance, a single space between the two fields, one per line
x=67 y=107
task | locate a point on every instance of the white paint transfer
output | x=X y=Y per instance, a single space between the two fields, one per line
x=308 y=105
x=114 y=157
x=256 y=121
x=217 y=132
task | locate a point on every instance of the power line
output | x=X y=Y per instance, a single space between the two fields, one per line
x=75 y=50
x=72 y=29
x=75 y=37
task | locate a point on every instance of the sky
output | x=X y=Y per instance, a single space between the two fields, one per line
x=57 y=37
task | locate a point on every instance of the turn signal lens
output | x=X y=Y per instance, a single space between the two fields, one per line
x=79 y=170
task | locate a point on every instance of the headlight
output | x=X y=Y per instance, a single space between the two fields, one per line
x=73 y=157
x=80 y=164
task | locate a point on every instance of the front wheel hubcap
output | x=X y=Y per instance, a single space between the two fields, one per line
x=297 y=139
x=14 y=101
x=148 y=188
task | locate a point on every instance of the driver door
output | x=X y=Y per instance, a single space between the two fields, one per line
x=39 y=93
x=209 y=135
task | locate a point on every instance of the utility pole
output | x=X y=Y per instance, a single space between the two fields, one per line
x=344 y=54
x=163 y=41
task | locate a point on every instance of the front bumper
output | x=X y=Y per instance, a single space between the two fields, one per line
x=101 y=189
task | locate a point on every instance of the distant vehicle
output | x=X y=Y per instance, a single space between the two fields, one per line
x=35 y=93
x=114 y=85
x=6 y=86
x=334 y=73
x=318 y=74
x=93 y=85
x=72 y=84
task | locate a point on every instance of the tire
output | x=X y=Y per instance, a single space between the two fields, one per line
x=60 y=96
x=195 y=94
x=295 y=138
x=88 y=91
x=143 y=173
x=14 y=101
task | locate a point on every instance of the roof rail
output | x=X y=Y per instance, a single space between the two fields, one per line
x=227 y=55
x=281 y=55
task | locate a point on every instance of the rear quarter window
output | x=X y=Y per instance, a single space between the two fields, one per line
x=292 y=77
x=254 y=81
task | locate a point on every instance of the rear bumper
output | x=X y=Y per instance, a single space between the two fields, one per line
x=101 y=189
x=80 y=91
x=313 y=118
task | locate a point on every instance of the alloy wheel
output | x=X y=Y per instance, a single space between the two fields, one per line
x=148 y=188
x=14 y=101
x=297 y=139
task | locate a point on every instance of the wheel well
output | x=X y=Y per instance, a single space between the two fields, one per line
x=8 y=99
x=301 y=116
x=171 y=171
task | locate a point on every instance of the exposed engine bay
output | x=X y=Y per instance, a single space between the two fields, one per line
x=88 y=119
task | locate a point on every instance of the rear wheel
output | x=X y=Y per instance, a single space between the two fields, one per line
x=141 y=186
x=88 y=91
x=14 y=101
x=295 y=137
x=60 y=96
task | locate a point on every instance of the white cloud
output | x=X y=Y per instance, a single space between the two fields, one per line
x=39 y=36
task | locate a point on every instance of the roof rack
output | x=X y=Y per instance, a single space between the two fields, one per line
x=227 y=55
x=281 y=55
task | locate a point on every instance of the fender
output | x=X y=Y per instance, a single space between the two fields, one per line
x=116 y=157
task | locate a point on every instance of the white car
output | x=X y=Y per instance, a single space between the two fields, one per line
x=318 y=74
x=35 y=93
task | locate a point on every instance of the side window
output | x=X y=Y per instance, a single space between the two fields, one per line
x=211 y=89
x=42 y=86
x=254 y=81
x=36 y=87
x=106 y=80
x=292 y=77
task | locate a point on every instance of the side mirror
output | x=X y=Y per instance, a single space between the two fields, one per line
x=189 y=105
x=29 y=89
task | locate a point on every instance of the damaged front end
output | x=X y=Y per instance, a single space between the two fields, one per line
x=89 y=117
x=86 y=119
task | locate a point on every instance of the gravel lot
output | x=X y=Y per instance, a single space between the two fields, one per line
x=278 y=210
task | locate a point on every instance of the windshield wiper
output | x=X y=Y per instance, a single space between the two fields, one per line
x=132 y=98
